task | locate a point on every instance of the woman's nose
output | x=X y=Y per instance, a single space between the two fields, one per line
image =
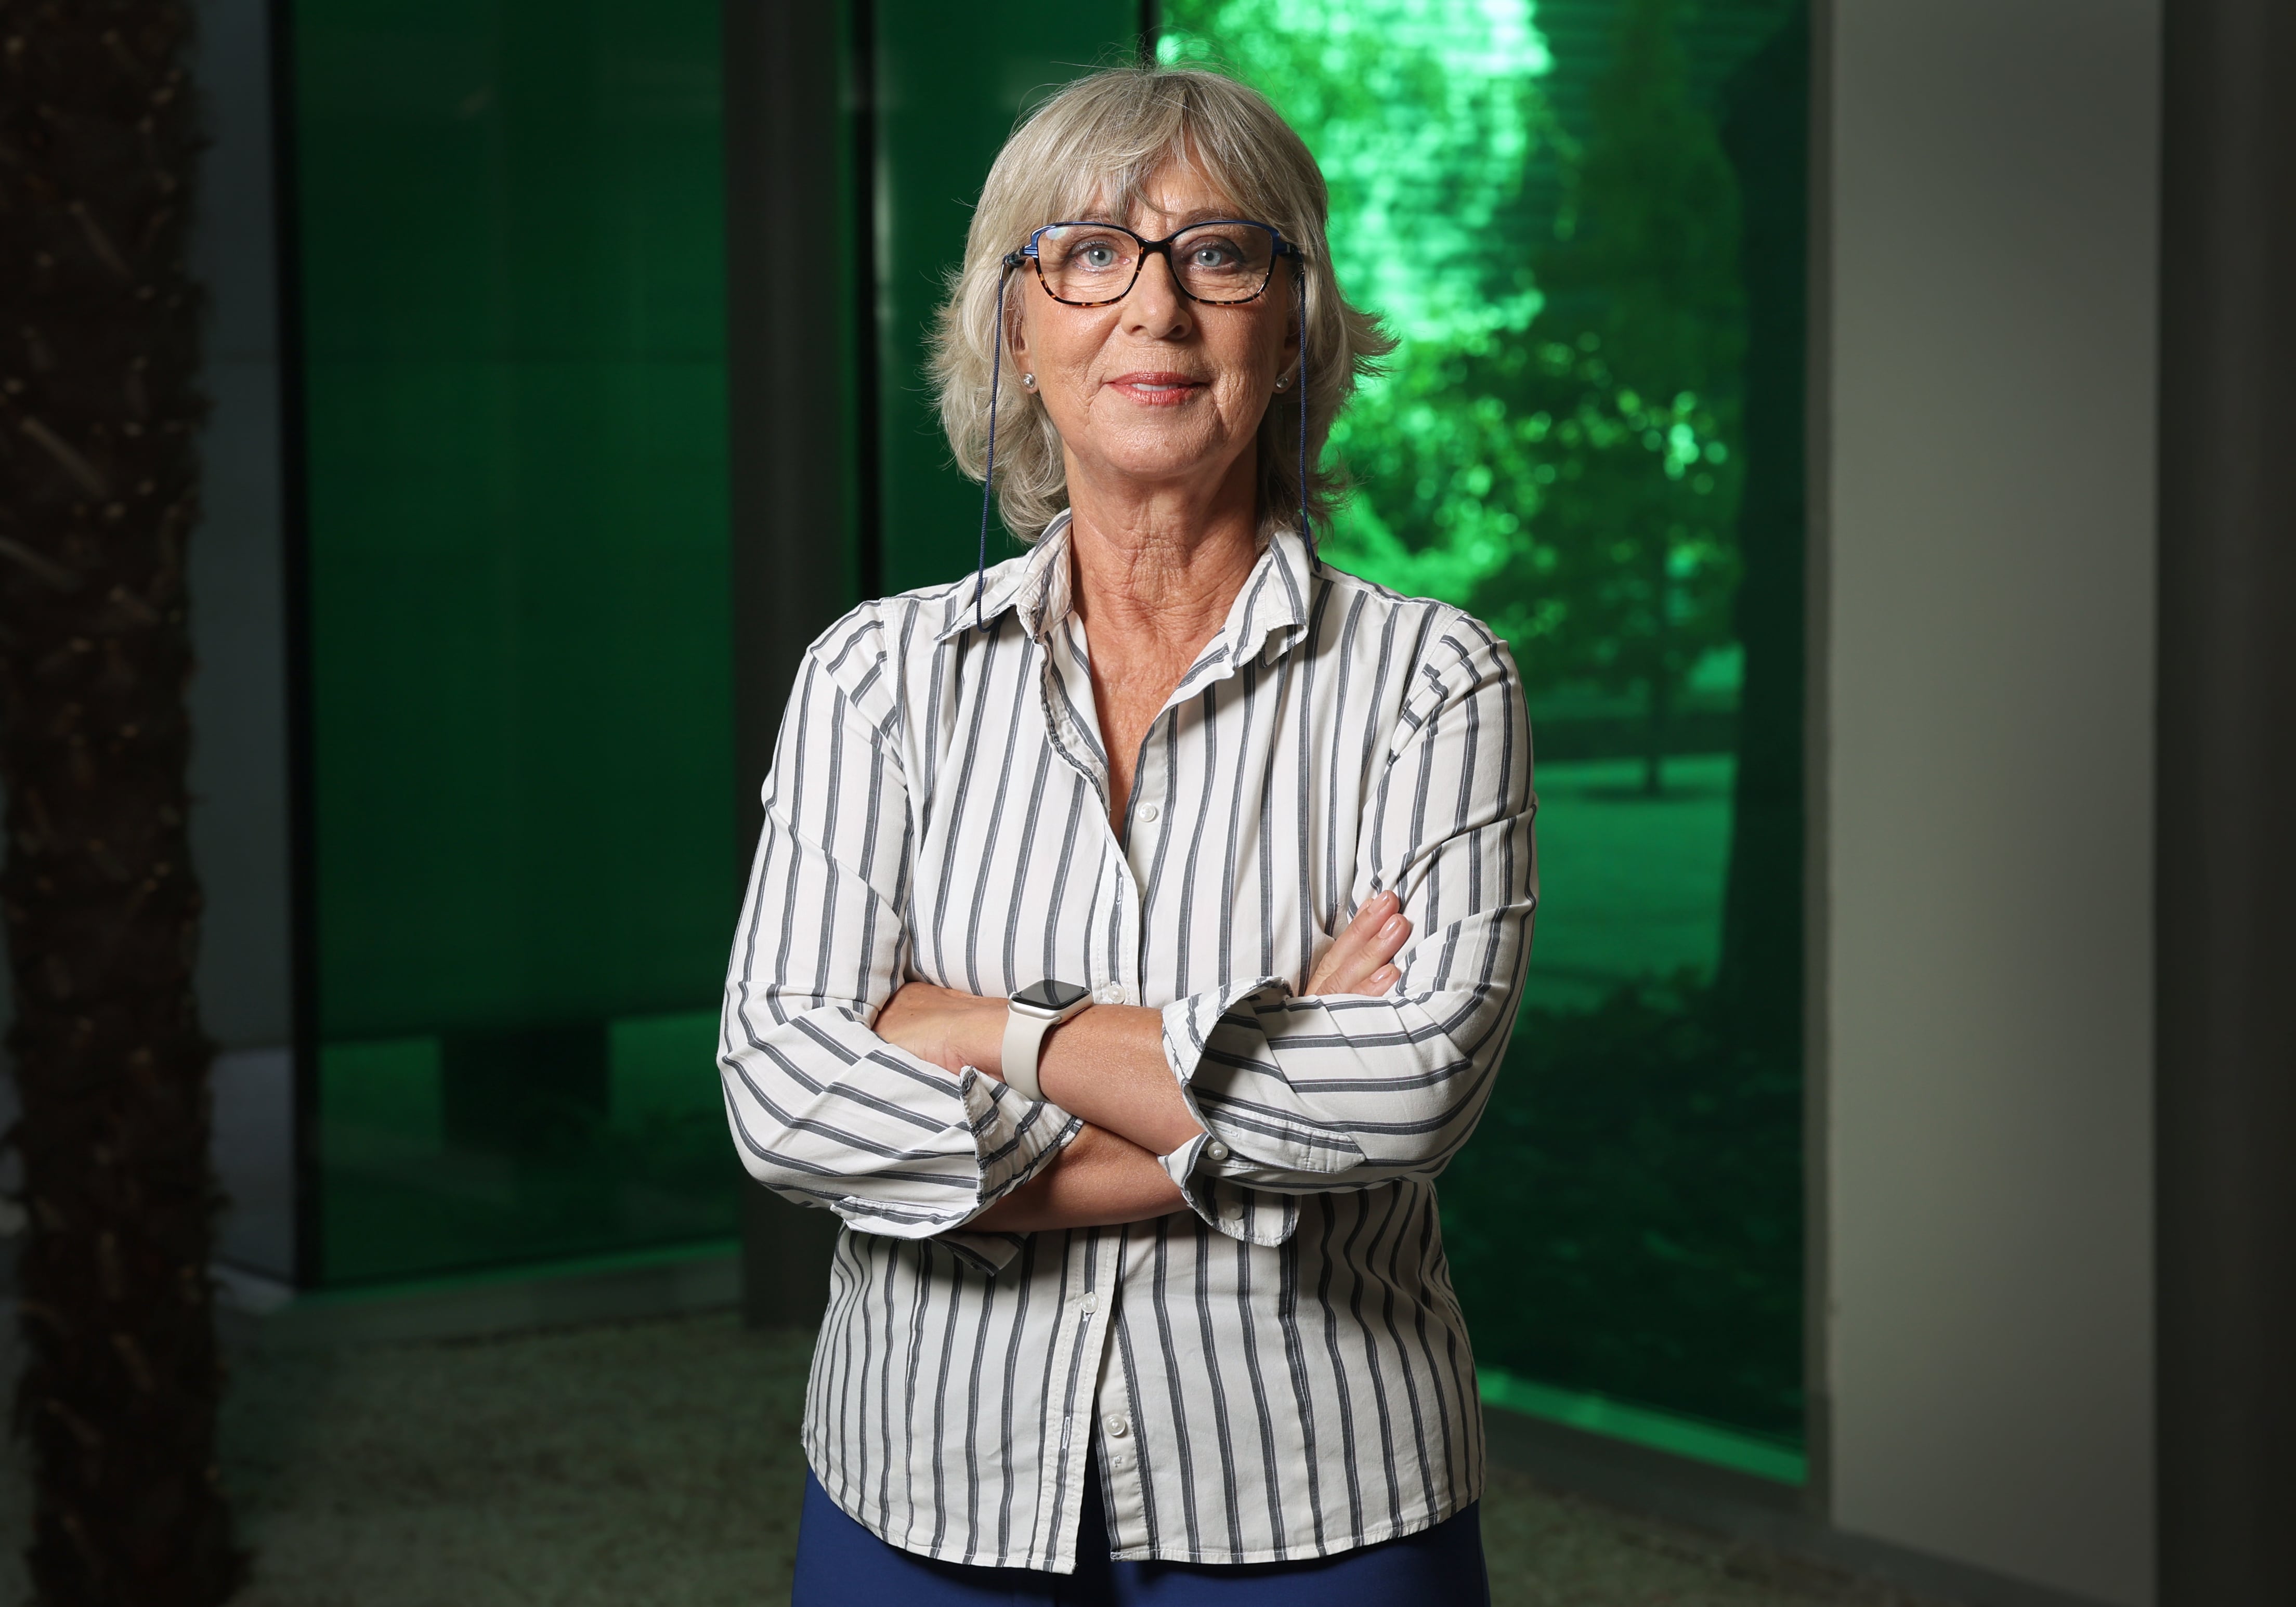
x=1156 y=307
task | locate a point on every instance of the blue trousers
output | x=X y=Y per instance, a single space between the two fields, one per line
x=841 y=1564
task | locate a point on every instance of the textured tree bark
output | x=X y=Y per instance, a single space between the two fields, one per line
x=98 y=354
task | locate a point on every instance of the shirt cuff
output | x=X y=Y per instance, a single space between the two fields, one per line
x=1014 y=1137
x=1190 y=1022
x=1227 y=1207
x=1219 y=1046
x=1030 y=1132
x=986 y=1254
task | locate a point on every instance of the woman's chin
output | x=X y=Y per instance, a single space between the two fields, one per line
x=1177 y=453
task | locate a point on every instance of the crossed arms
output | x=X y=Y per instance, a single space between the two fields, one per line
x=850 y=1084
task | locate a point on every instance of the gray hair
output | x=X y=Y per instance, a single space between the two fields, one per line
x=1098 y=143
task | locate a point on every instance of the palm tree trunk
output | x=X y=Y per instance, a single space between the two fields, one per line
x=99 y=355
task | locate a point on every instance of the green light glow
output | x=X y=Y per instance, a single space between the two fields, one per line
x=1701 y=1441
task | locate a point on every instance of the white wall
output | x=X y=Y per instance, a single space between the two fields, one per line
x=1988 y=741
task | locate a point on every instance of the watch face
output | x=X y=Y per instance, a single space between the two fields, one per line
x=1052 y=996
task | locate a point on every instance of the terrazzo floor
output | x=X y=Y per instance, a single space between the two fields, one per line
x=655 y=1464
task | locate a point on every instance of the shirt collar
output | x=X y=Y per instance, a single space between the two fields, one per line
x=1270 y=612
x=1035 y=585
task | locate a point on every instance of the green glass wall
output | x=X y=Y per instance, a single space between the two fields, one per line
x=1583 y=218
x=511 y=238
x=951 y=82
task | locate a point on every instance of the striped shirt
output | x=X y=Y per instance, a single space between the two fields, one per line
x=1281 y=1370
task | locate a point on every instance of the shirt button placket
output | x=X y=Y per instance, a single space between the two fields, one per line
x=1111 y=1417
x=1148 y=785
x=1119 y=1453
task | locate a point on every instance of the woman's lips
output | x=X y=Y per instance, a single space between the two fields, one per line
x=1157 y=390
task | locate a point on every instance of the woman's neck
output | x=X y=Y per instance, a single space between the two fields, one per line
x=1157 y=568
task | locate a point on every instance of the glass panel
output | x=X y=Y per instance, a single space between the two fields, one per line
x=951 y=80
x=512 y=239
x=1584 y=220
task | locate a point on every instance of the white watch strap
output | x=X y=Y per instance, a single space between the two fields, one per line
x=1024 y=1035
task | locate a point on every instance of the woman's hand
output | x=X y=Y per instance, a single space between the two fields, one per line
x=1358 y=961
x=951 y=1030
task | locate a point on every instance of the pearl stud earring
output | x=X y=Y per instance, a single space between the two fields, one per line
x=1030 y=380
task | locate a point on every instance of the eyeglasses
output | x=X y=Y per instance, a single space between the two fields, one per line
x=1221 y=263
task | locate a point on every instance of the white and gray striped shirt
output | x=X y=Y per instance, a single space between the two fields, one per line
x=1283 y=1372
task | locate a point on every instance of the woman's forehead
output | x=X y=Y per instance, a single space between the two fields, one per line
x=1174 y=191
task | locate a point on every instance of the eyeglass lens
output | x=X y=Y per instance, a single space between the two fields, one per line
x=1090 y=263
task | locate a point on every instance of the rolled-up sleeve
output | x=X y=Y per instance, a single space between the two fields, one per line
x=1301 y=1094
x=824 y=1112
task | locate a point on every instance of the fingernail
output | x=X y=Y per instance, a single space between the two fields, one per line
x=1395 y=927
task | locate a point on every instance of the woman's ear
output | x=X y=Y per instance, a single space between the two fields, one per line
x=1016 y=345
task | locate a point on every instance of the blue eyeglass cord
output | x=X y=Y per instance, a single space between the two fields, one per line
x=1300 y=280
x=995 y=374
x=988 y=474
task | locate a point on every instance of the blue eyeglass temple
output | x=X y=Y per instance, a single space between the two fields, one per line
x=1014 y=260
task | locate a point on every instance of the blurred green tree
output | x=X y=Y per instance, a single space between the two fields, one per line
x=1554 y=445
x=1644 y=330
x=1424 y=119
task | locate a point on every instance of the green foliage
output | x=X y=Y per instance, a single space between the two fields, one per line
x=1647 y=333
x=1628 y=580
x=1554 y=445
x=1422 y=117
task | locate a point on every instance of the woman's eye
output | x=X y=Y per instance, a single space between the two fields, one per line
x=1097 y=256
x=1214 y=254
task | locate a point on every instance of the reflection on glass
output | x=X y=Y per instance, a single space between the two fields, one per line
x=511 y=237
x=1582 y=218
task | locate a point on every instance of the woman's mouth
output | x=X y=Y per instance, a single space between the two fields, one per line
x=1157 y=390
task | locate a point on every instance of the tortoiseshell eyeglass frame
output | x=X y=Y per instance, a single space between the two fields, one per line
x=1281 y=248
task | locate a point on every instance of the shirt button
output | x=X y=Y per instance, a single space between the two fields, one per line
x=1148 y=813
x=1215 y=1151
x=1091 y=1302
x=1112 y=993
x=1118 y=1425
x=1233 y=1211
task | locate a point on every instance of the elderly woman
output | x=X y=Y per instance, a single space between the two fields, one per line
x=1137 y=928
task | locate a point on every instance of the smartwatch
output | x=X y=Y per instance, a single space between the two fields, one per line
x=1030 y=1014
